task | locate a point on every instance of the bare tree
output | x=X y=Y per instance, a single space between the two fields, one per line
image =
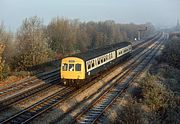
x=1 y=61
x=71 y=35
x=3 y=38
x=61 y=35
x=32 y=48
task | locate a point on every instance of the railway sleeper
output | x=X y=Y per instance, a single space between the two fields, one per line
x=109 y=96
x=105 y=103
x=85 y=122
x=24 y=116
x=29 y=113
x=116 y=90
x=15 y=122
x=97 y=109
x=88 y=119
x=44 y=107
x=90 y=114
x=36 y=108
x=82 y=123
x=100 y=106
x=46 y=102
x=55 y=100
x=18 y=120
x=94 y=112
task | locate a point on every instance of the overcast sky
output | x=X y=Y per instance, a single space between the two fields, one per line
x=159 y=12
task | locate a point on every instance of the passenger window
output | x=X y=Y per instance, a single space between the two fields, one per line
x=88 y=66
x=99 y=62
x=78 y=67
x=71 y=67
x=64 y=67
x=106 y=57
x=92 y=64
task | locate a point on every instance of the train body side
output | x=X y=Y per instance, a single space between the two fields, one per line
x=85 y=65
x=103 y=62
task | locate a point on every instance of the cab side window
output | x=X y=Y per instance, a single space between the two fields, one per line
x=64 y=67
x=78 y=67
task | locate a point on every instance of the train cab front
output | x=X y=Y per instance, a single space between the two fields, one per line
x=72 y=70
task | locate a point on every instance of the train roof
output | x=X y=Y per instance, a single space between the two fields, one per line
x=100 y=51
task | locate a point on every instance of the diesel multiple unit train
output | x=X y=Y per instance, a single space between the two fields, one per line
x=78 y=68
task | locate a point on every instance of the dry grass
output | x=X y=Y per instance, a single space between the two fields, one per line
x=158 y=105
x=131 y=113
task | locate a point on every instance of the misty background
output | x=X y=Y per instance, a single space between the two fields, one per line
x=162 y=13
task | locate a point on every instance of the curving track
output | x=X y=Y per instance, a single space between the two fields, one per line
x=33 y=85
x=37 y=109
x=93 y=112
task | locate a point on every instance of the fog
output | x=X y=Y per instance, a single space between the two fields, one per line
x=162 y=13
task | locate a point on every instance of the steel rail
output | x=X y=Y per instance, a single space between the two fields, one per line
x=92 y=104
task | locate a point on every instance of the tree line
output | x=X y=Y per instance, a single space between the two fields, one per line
x=35 y=43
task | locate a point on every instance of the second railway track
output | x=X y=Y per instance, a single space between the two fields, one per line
x=96 y=108
x=25 y=83
x=50 y=78
x=39 y=110
x=63 y=119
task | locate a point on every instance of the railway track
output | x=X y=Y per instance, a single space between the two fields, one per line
x=42 y=107
x=148 y=39
x=93 y=112
x=125 y=68
x=26 y=83
x=29 y=82
x=51 y=79
x=27 y=114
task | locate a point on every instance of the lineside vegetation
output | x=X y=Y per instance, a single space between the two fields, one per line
x=158 y=97
x=35 y=43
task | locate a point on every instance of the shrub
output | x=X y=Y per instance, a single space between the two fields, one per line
x=164 y=106
x=171 y=52
x=131 y=113
x=155 y=93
